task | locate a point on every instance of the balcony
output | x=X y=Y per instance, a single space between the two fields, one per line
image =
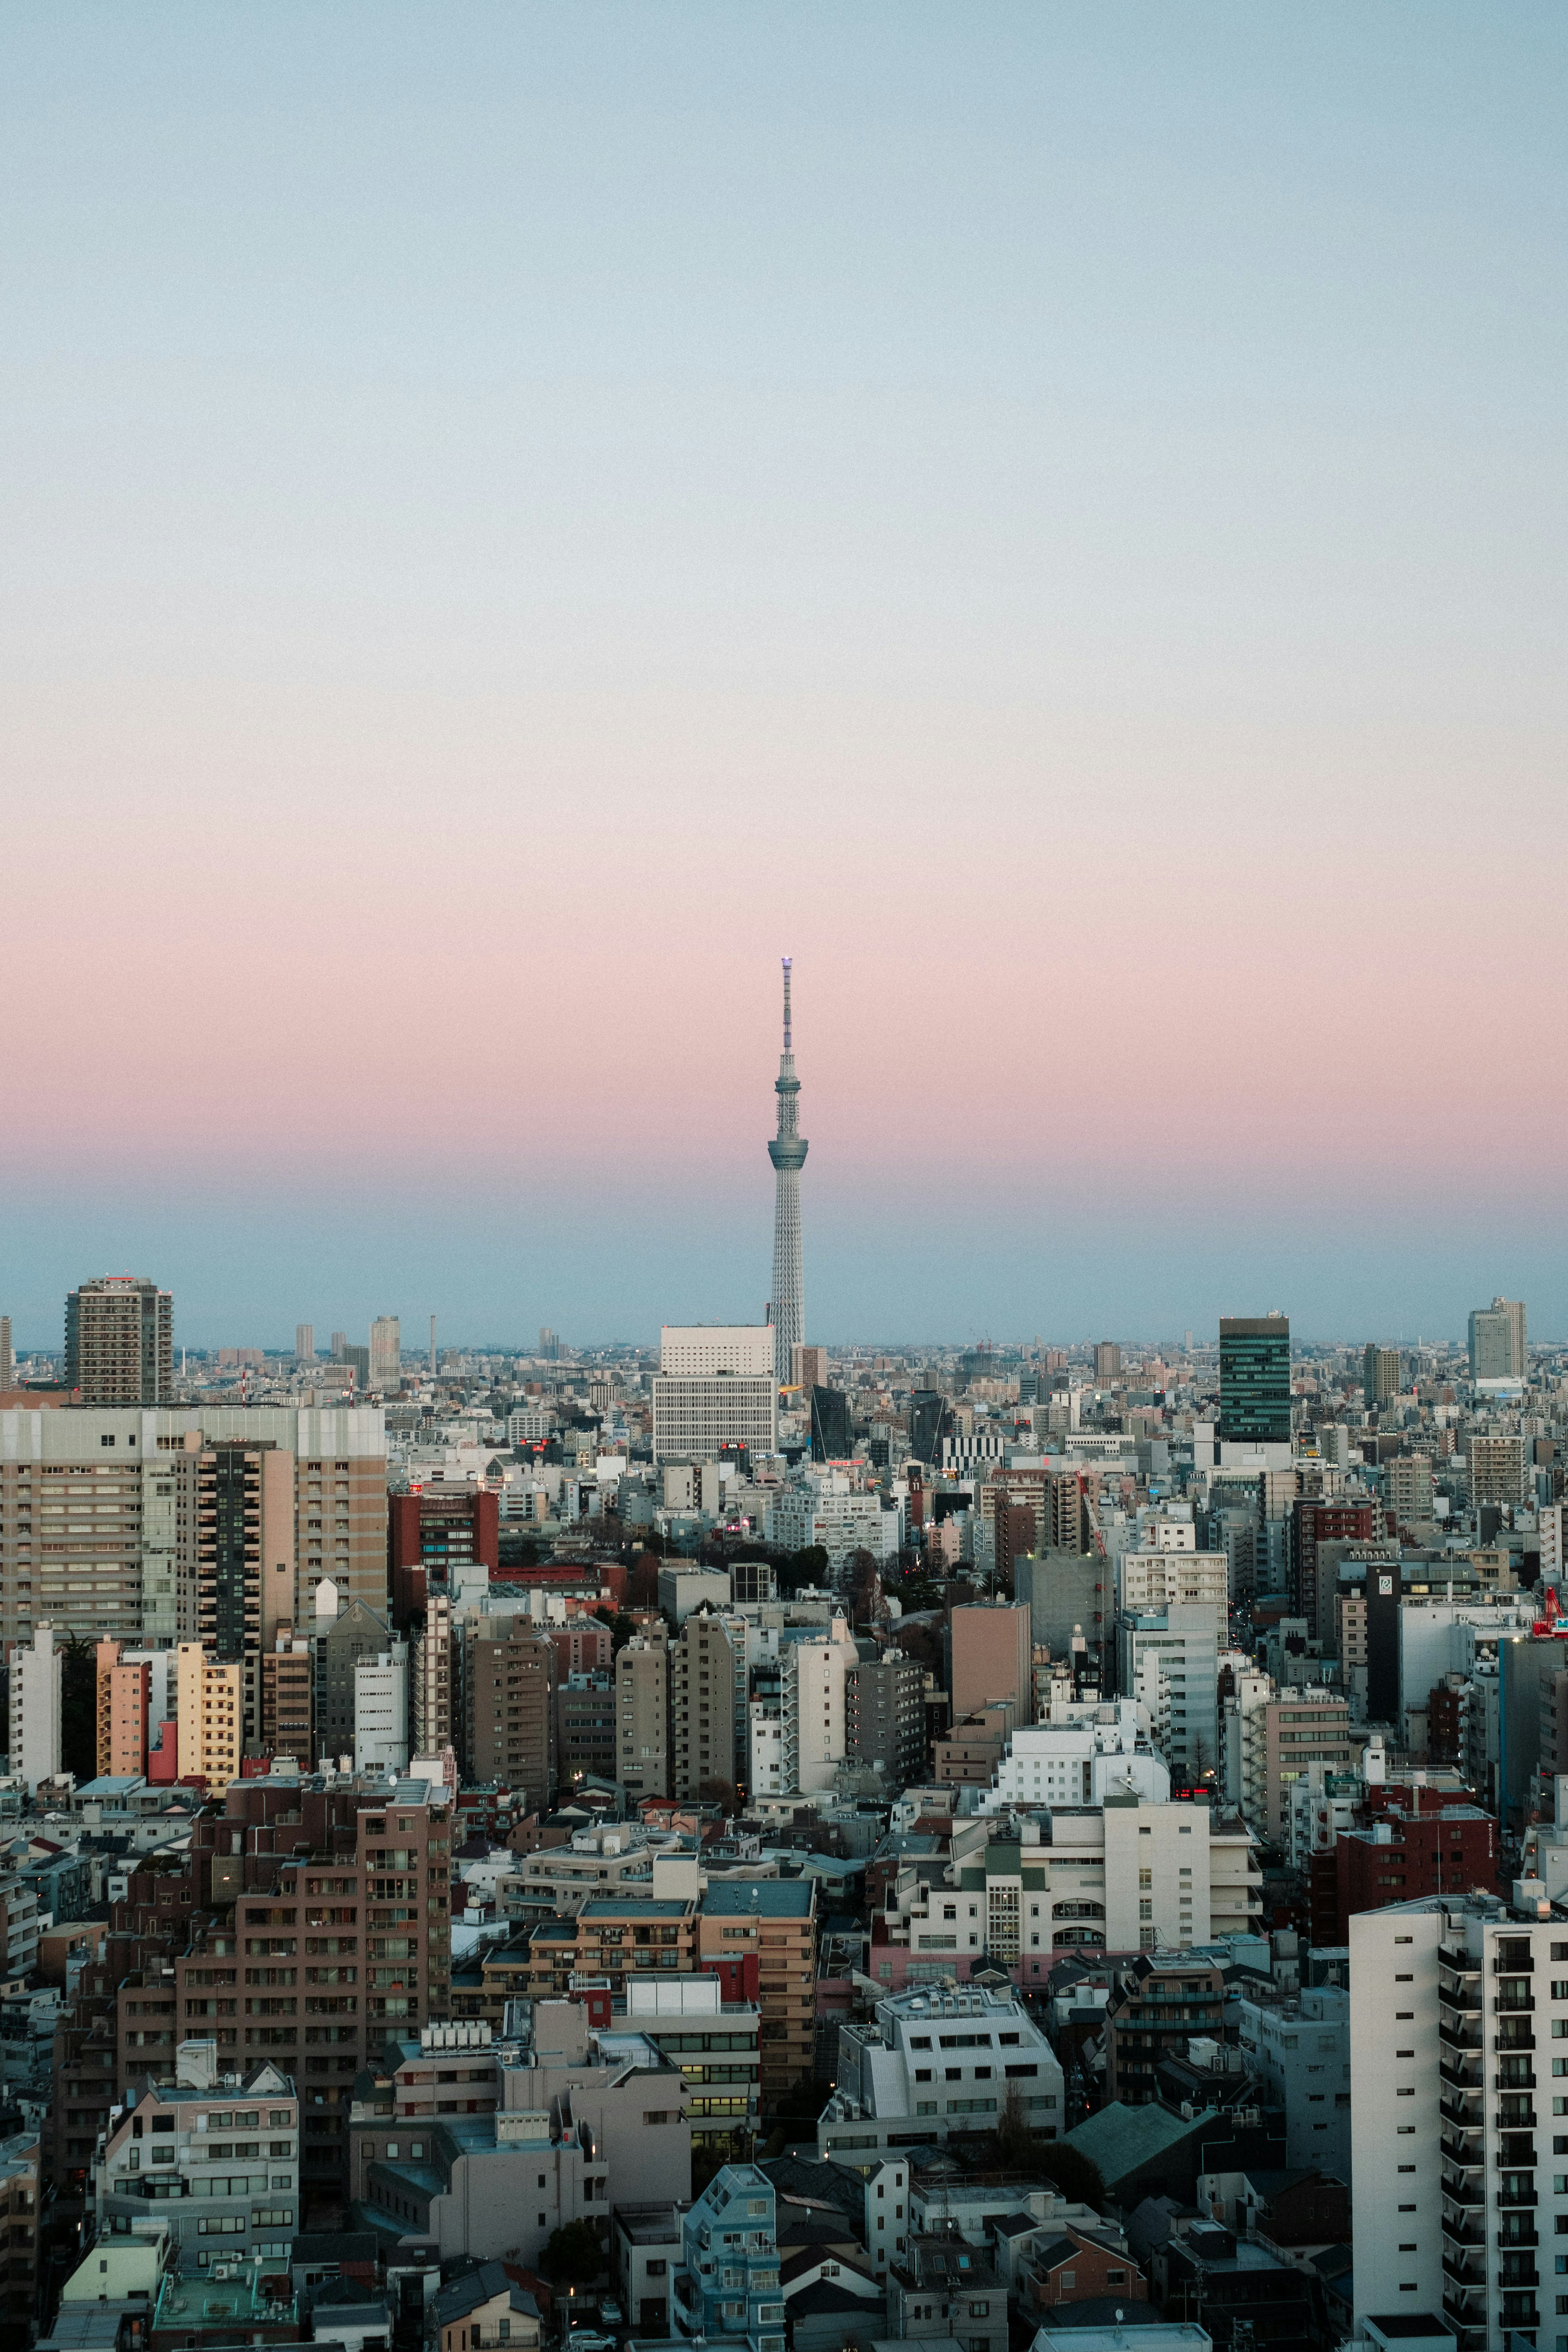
x=1521 y=2282
x=1457 y=2037
x=1522 y=1964
x=1454 y=2071
x=1463 y=2193
x=1455 y=1957
x=1467 y=2276
x=1461 y=2117
x=1514 y=2199
x=1513 y=2005
x=1462 y=1999
x=1511 y=2081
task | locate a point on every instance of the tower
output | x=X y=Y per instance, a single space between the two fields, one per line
x=787 y=1151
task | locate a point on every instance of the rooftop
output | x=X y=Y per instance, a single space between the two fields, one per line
x=762 y=1898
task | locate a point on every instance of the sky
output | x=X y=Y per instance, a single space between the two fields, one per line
x=517 y=516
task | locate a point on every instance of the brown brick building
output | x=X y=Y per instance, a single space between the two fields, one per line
x=509 y=1716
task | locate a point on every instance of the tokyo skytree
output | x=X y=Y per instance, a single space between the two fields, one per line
x=787 y=1151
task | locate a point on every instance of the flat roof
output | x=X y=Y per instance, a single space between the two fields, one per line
x=766 y=1898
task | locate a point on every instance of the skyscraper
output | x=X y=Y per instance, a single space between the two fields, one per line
x=305 y=1343
x=1380 y=1374
x=120 y=1341
x=1498 y=1341
x=787 y=1151
x=7 y=1360
x=1255 y=1380
x=385 y=1352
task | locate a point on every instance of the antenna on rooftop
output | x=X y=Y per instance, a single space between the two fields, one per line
x=787 y=963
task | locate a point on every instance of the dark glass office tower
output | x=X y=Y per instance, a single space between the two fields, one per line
x=1255 y=1380
x=832 y=1434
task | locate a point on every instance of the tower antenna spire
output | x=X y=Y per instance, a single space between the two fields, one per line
x=787 y=1152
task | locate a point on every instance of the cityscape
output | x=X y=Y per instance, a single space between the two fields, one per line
x=784 y=1316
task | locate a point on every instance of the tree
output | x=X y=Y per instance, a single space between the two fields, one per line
x=1022 y=2149
x=718 y=1792
x=621 y=1628
x=573 y=2255
x=864 y=1578
x=642 y=1584
x=79 y=1709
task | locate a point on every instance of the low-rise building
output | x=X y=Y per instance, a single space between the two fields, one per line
x=934 y=2064
x=219 y=2163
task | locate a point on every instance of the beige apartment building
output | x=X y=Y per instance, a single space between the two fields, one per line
x=509 y=1715
x=707 y=1705
x=103 y=1513
x=211 y=1704
x=642 y=1714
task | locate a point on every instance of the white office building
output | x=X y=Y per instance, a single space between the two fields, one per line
x=696 y=1416
x=702 y=1350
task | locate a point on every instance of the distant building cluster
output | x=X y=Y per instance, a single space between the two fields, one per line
x=782 y=1846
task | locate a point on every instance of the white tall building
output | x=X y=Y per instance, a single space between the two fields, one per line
x=1170 y=1657
x=304 y=1343
x=698 y=1350
x=381 y=1711
x=1454 y=2007
x=385 y=1352
x=1169 y=1575
x=827 y=1510
x=36 y=1715
x=697 y=1415
x=814 y=1674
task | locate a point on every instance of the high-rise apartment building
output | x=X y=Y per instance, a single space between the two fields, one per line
x=642 y=1714
x=509 y=1715
x=1454 y=2006
x=103 y=1531
x=1254 y=1380
x=344 y=1631
x=1498 y=1470
x=885 y=1717
x=120 y=1341
x=814 y=1674
x=432 y=1680
x=36 y=1708
x=340 y=1346
x=1380 y=1374
x=211 y=1705
x=380 y=1710
x=808 y=1367
x=287 y=1698
x=1106 y=1363
x=1497 y=1341
x=304 y=1343
x=135 y=1697
x=385 y=1352
x=7 y=1356
x=707 y=1705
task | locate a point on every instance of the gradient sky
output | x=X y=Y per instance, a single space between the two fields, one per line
x=515 y=515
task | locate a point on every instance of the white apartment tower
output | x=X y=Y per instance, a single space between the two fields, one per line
x=813 y=1675
x=1457 y=2005
x=36 y=1715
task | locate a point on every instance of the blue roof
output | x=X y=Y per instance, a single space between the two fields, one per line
x=630 y=1906
x=762 y=1898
